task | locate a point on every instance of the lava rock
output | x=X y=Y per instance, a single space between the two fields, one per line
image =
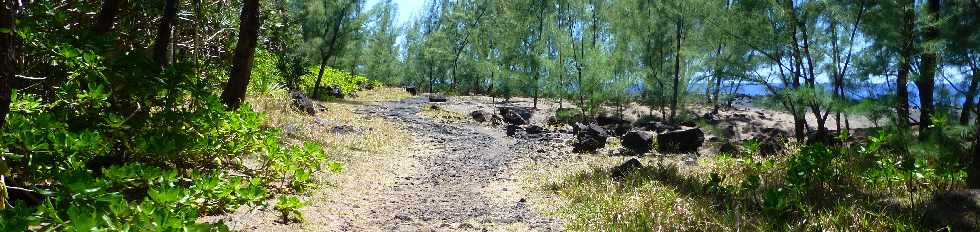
x=681 y=141
x=343 y=129
x=823 y=137
x=659 y=127
x=335 y=92
x=577 y=127
x=303 y=103
x=515 y=115
x=512 y=130
x=365 y=85
x=591 y=138
x=689 y=123
x=534 y=129
x=438 y=98
x=774 y=132
x=610 y=120
x=512 y=118
x=411 y=89
x=771 y=141
x=620 y=171
x=352 y=95
x=728 y=148
x=958 y=209
x=481 y=116
x=638 y=141
x=710 y=118
x=617 y=129
x=741 y=118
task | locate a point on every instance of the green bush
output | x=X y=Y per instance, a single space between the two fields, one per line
x=114 y=142
x=347 y=82
x=266 y=78
x=568 y=115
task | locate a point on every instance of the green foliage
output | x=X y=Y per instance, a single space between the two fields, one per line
x=114 y=142
x=568 y=115
x=347 y=82
x=289 y=207
x=295 y=166
x=817 y=186
x=266 y=77
x=140 y=197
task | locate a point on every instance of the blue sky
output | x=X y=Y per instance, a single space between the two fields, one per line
x=407 y=9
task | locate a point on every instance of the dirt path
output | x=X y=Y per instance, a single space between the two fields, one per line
x=455 y=176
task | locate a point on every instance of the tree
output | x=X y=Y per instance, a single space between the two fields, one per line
x=905 y=65
x=930 y=58
x=241 y=71
x=962 y=32
x=382 y=61
x=679 y=35
x=7 y=65
x=164 y=31
x=327 y=27
x=107 y=16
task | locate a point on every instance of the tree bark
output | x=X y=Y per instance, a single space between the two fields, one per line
x=717 y=74
x=930 y=59
x=905 y=66
x=677 y=74
x=7 y=64
x=107 y=16
x=241 y=71
x=319 y=77
x=164 y=30
x=337 y=33
x=973 y=171
x=968 y=101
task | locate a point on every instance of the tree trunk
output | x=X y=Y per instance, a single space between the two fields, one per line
x=7 y=66
x=799 y=111
x=107 y=16
x=905 y=66
x=973 y=171
x=195 y=52
x=968 y=102
x=319 y=77
x=163 y=33
x=717 y=73
x=677 y=74
x=431 y=79
x=929 y=62
x=241 y=70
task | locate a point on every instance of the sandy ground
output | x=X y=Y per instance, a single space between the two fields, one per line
x=450 y=173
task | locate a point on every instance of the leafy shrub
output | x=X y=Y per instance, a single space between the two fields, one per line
x=568 y=115
x=289 y=207
x=347 y=82
x=113 y=142
x=266 y=79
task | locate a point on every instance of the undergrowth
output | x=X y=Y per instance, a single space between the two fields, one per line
x=865 y=186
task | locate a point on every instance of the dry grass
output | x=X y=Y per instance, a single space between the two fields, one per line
x=381 y=95
x=368 y=146
x=339 y=129
x=437 y=112
x=672 y=194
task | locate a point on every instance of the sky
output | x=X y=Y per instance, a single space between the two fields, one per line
x=407 y=9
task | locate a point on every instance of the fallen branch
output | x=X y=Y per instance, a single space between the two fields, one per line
x=30 y=78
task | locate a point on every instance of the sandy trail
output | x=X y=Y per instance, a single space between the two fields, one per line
x=455 y=176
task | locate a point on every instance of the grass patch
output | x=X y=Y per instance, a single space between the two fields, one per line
x=339 y=128
x=438 y=112
x=716 y=194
